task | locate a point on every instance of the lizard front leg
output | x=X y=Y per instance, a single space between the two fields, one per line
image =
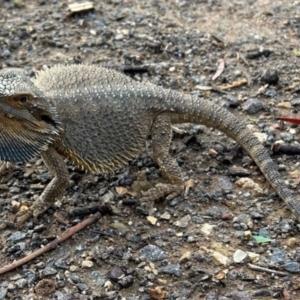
x=161 y=133
x=53 y=191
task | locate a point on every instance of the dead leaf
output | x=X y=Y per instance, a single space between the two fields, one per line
x=121 y=190
x=190 y=183
x=220 y=69
x=221 y=275
x=157 y=293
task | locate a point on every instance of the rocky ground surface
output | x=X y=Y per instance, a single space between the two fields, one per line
x=230 y=237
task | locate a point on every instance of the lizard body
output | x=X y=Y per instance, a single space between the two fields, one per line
x=99 y=119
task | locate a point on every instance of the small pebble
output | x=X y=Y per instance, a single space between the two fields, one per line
x=115 y=273
x=220 y=258
x=212 y=152
x=126 y=281
x=183 y=222
x=285 y=104
x=152 y=220
x=271 y=93
x=152 y=253
x=254 y=257
x=165 y=216
x=207 y=229
x=108 y=285
x=172 y=269
x=239 y=256
x=270 y=76
x=252 y=106
x=277 y=257
x=292 y=267
x=87 y=264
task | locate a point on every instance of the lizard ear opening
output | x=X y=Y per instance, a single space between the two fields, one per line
x=48 y=120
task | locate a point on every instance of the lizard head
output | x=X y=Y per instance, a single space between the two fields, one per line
x=28 y=122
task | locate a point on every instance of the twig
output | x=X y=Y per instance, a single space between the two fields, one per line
x=68 y=233
x=210 y=88
x=262 y=269
x=131 y=68
x=287 y=149
x=88 y=210
x=293 y=120
x=242 y=67
x=60 y=218
x=258 y=53
x=233 y=84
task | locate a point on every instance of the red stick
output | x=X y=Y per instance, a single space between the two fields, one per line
x=289 y=119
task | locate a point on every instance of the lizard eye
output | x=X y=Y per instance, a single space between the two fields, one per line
x=23 y=99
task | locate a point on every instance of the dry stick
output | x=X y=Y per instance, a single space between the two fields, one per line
x=233 y=84
x=68 y=233
x=287 y=149
x=262 y=269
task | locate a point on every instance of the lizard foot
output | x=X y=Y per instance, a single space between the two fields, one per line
x=35 y=210
x=22 y=216
x=162 y=190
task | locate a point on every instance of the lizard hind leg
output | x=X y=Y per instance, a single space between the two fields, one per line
x=161 y=133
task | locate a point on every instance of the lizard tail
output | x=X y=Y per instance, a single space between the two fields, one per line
x=188 y=109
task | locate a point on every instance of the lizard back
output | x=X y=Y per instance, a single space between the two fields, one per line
x=104 y=126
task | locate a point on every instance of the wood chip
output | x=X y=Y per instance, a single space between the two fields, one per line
x=285 y=104
x=188 y=184
x=221 y=259
x=157 y=293
x=122 y=191
x=221 y=275
x=74 y=8
x=60 y=218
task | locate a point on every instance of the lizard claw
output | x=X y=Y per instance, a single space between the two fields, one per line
x=22 y=216
x=35 y=210
x=161 y=190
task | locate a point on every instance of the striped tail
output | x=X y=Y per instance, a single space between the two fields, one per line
x=199 y=111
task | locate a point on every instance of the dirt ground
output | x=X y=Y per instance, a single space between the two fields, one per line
x=200 y=246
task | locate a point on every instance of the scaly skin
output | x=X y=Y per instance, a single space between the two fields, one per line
x=99 y=119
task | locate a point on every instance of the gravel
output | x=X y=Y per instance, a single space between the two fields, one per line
x=200 y=244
